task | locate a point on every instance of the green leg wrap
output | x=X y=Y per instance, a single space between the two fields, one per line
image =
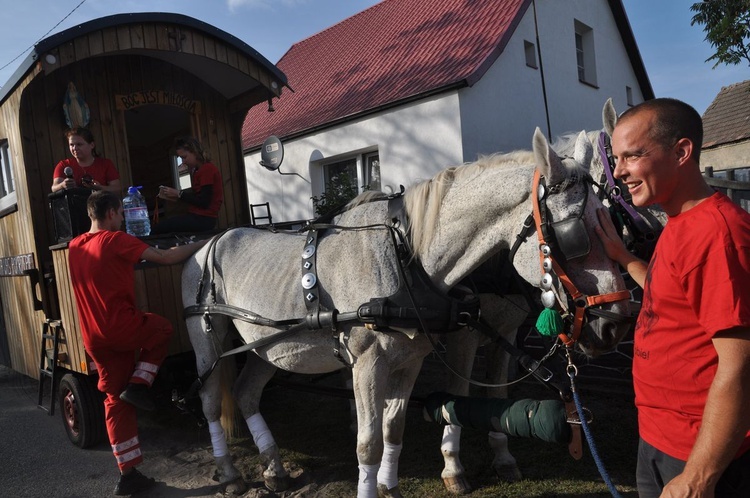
x=540 y=419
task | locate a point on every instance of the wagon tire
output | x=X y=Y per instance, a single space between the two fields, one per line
x=81 y=409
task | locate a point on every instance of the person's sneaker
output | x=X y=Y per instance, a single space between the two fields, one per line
x=139 y=396
x=133 y=482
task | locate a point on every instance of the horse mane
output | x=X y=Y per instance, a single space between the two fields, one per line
x=423 y=200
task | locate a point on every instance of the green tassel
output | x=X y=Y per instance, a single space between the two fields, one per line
x=549 y=323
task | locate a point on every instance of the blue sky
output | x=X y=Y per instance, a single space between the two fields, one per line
x=672 y=50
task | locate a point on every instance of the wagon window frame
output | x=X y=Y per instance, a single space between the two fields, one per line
x=8 y=197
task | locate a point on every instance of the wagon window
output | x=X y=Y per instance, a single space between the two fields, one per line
x=7 y=181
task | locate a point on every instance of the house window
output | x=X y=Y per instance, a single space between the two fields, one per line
x=585 y=56
x=345 y=178
x=7 y=181
x=530 y=52
x=372 y=171
x=629 y=95
x=361 y=170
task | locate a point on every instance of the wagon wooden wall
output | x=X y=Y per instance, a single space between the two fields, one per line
x=32 y=120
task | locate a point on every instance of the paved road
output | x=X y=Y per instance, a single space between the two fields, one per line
x=38 y=460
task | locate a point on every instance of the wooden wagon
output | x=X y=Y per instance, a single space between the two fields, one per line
x=142 y=80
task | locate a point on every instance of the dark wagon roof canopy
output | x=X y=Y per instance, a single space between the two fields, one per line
x=231 y=67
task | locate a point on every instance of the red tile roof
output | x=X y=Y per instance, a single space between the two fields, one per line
x=727 y=119
x=391 y=53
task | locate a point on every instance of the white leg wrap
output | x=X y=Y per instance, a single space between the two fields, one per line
x=388 y=473
x=218 y=441
x=261 y=435
x=368 y=480
x=451 y=439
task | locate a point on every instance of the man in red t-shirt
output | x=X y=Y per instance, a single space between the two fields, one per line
x=691 y=361
x=114 y=331
x=205 y=196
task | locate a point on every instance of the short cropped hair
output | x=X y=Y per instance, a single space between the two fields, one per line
x=100 y=202
x=191 y=144
x=674 y=120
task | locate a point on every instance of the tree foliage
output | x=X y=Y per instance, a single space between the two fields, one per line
x=340 y=190
x=727 y=27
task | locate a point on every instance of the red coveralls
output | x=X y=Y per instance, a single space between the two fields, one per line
x=115 y=331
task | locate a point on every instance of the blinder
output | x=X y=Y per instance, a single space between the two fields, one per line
x=569 y=236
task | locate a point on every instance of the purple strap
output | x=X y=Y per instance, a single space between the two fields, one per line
x=614 y=190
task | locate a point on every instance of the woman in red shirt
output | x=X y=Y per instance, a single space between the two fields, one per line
x=204 y=197
x=86 y=168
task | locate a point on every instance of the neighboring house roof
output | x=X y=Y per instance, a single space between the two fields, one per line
x=396 y=52
x=727 y=119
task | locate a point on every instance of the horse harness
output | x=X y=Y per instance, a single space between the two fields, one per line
x=417 y=303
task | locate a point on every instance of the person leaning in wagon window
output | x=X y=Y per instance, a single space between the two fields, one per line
x=114 y=330
x=204 y=197
x=691 y=361
x=86 y=169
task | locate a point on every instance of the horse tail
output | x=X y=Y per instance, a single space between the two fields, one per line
x=230 y=414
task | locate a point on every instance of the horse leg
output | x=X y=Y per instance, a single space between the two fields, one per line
x=498 y=363
x=369 y=373
x=211 y=397
x=400 y=387
x=460 y=350
x=247 y=391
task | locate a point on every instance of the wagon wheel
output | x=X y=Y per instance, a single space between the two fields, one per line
x=82 y=410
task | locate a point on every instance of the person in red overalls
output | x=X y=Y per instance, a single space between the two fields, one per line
x=115 y=331
x=204 y=197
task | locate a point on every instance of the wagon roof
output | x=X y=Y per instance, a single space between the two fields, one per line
x=227 y=80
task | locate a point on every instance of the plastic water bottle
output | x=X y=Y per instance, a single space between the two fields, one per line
x=136 y=213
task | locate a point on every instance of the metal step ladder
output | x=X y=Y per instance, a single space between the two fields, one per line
x=254 y=219
x=48 y=365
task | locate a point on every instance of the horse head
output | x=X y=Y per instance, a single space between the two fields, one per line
x=577 y=277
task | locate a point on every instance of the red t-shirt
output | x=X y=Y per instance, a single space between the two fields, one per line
x=102 y=170
x=207 y=174
x=698 y=284
x=101 y=271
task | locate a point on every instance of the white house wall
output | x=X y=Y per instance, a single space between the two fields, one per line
x=500 y=112
x=575 y=105
x=414 y=142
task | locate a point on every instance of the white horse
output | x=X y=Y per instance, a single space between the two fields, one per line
x=457 y=220
x=505 y=313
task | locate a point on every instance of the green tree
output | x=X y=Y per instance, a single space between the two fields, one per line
x=340 y=190
x=727 y=27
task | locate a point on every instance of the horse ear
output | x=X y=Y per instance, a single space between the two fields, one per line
x=547 y=161
x=584 y=151
x=609 y=116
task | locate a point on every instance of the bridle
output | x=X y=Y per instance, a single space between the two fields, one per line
x=625 y=213
x=549 y=246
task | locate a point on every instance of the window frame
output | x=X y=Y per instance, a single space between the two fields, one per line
x=8 y=195
x=585 y=53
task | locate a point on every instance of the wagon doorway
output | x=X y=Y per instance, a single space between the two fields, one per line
x=151 y=132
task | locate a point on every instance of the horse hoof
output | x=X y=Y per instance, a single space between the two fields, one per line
x=508 y=473
x=457 y=485
x=235 y=487
x=276 y=483
x=384 y=492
